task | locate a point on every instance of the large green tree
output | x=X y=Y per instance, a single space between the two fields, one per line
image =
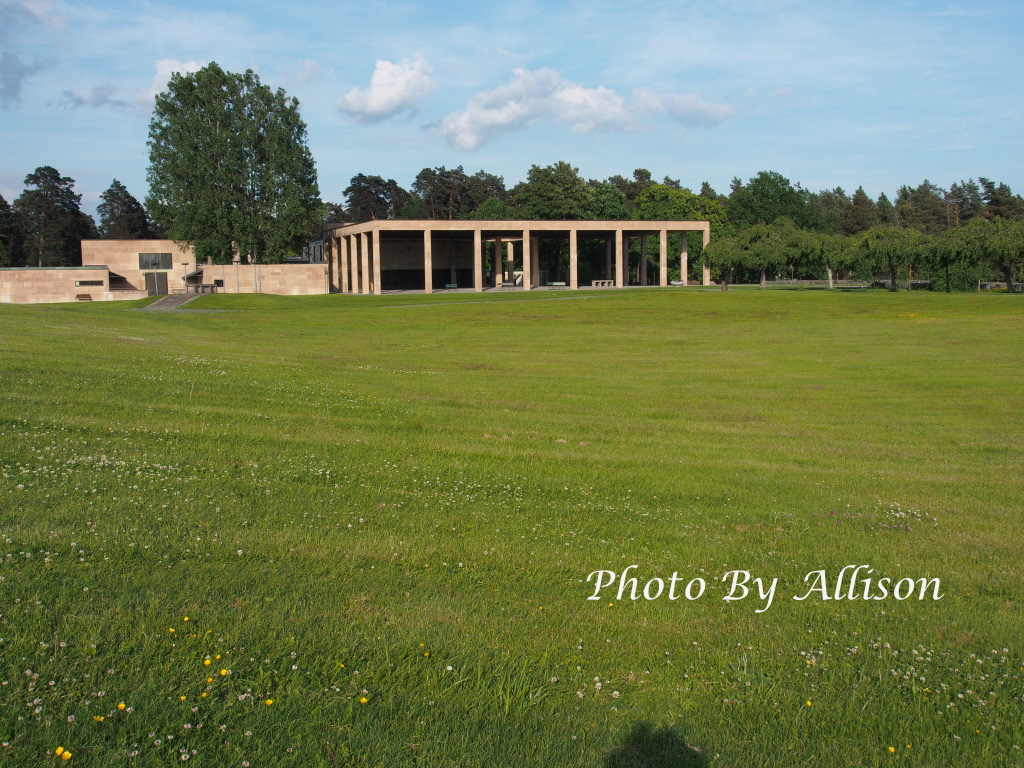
x=229 y=167
x=122 y=217
x=50 y=221
x=374 y=197
x=554 y=192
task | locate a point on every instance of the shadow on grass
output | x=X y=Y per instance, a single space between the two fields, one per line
x=648 y=747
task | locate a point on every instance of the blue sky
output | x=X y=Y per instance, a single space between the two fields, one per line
x=828 y=93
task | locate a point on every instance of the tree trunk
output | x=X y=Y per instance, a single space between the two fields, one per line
x=910 y=277
x=892 y=278
x=1008 y=269
x=762 y=279
x=830 y=284
x=948 y=290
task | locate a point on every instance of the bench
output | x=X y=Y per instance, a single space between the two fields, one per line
x=558 y=284
x=602 y=283
x=83 y=297
x=451 y=285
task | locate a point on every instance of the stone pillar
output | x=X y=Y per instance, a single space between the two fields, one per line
x=535 y=261
x=353 y=251
x=619 y=267
x=499 y=262
x=428 y=261
x=376 y=262
x=364 y=250
x=684 y=257
x=707 y=269
x=663 y=263
x=574 y=278
x=478 y=262
x=527 y=261
x=342 y=265
x=643 y=259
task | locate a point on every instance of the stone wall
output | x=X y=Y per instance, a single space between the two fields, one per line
x=35 y=285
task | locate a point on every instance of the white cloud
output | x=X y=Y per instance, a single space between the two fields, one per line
x=164 y=69
x=393 y=88
x=690 y=110
x=306 y=70
x=532 y=97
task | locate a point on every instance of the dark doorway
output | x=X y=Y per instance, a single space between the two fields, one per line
x=156 y=283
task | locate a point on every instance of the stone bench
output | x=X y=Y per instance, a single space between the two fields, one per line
x=83 y=297
x=602 y=283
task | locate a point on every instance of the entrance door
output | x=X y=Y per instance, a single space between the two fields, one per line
x=156 y=283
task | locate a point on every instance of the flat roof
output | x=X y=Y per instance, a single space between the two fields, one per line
x=516 y=226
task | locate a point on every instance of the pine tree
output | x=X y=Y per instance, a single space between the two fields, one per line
x=122 y=217
x=50 y=220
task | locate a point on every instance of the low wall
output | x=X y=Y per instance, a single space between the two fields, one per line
x=42 y=285
x=280 y=279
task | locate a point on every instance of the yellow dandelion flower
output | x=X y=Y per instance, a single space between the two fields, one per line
x=65 y=755
x=364 y=700
x=427 y=653
x=185 y=619
x=99 y=718
x=206 y=662
x=202 y=695
x=269 y=702
x=892 y=749
x=59 y=751
x=223 y=672
x=121 y=705
x=808 y=702
x=610 y=604
x=217 y=656
x=171 y=630
x=209 y=679
x=422 y=644
x=182 y=698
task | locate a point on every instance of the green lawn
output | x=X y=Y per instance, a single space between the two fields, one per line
x=379 y=514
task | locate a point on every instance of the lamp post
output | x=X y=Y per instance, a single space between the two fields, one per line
x=184 y=276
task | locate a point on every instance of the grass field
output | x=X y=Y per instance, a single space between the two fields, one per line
x=379 y=515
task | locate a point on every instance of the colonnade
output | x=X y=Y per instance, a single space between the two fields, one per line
x=355 y=250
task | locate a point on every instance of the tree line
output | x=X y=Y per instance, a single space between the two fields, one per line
x=764 y=229
x=230 y=172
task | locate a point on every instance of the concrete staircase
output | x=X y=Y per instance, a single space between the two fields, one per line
x=173 y=301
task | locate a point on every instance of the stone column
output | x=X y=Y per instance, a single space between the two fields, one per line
x=376 y=262
x=353 y=250
x=364 y=248
x=684 y=257
x=663 y=263
x=428 y=261
x=619 y=268
x=342 y=265
x=527 y=261
x=707 y=269
x=643 y=259
x=574 y=278
x=499 y=262
x=535 y=261
x=478 y=262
